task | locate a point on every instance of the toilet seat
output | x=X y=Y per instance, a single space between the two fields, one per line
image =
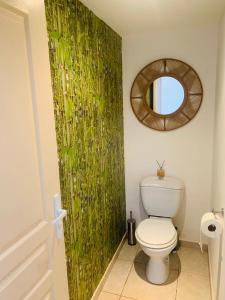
x=156 y=233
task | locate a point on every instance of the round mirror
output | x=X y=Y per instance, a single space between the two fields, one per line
x=165 y=95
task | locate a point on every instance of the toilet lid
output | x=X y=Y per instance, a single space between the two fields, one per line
x=156 y=232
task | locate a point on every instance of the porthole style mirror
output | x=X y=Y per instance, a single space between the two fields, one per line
x=166 y=94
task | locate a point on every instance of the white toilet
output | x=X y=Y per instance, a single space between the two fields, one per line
x=157 y=235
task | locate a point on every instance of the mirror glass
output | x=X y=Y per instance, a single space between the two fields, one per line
x=165 y=95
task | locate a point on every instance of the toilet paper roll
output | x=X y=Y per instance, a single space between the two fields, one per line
x=211 y=226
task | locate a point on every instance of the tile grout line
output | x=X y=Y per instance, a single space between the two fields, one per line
x=121 y=294
x=126 y=260
x=110 y=293
x=127 y=278
x=176 y=290
x=195 y=273
x=179 y=271
x=128 y=298
x=133 y=261
x=177 y=284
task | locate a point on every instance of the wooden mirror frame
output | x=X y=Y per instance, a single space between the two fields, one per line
x=193 y=94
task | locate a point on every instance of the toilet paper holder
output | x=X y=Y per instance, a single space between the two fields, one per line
x=221 y=212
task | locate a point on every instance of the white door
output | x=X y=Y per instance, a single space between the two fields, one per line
x=32 y=260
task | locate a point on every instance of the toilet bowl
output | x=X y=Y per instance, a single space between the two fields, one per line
x=157 y=237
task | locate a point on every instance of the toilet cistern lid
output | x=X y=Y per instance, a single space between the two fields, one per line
x=166 y=183
x=156 y=231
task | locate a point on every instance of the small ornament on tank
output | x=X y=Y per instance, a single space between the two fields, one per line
x=160 y=170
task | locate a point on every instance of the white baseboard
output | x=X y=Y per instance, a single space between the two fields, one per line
x=189 y=244
x=109 y=268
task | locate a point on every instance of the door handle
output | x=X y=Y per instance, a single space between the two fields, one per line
x=59 y=214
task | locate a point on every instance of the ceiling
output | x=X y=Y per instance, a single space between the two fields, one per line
x=133 y=16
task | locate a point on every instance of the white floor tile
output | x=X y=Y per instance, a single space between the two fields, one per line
x=193 y=287
x=117 y=277
x=138 y=287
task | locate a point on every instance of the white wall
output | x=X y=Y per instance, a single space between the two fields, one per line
x=218 y=195
x=188 y=150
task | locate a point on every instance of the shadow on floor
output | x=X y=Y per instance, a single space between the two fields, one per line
x=141 y=260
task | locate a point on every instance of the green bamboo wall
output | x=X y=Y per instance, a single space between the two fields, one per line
x=86 y=67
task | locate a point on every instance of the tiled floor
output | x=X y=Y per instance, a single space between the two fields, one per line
x=188 y=280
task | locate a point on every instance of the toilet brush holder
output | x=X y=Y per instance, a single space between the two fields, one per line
x=131 y=225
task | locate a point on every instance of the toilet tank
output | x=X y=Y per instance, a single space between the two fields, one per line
x=161 y=197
